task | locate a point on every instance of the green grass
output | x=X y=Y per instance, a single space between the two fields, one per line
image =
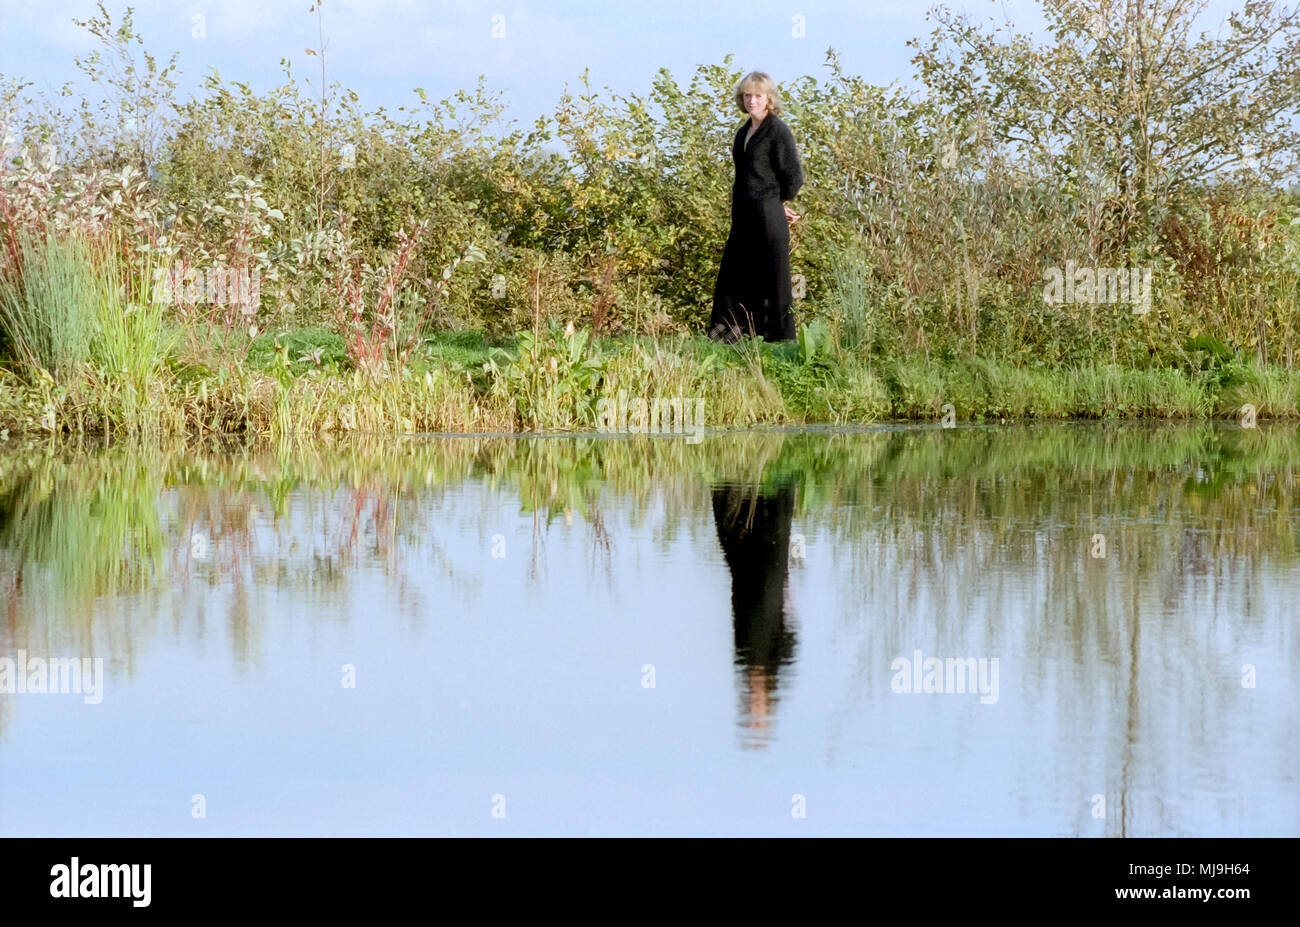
x=48 y=308
x=307 y=348
x=450 y=386
x=979 y=388
x=1274 y=392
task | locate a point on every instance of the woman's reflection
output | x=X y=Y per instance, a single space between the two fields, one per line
x=754 y=530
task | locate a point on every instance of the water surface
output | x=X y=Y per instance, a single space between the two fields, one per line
x=632 y=635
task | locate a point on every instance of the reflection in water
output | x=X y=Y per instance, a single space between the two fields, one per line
x=1148 y=686
x=754 y=530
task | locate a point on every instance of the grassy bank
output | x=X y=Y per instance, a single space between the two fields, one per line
x=290 y=263
x=299 y=384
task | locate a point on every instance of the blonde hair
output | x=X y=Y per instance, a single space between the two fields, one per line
x=766 y=85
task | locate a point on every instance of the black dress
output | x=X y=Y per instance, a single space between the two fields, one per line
x=753 y=294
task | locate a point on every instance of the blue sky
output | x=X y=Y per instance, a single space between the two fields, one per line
x=384 y=48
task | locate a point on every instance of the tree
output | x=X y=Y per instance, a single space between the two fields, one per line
x=132 y=120
x=1129 y=106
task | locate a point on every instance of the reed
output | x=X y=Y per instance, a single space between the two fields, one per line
x=131 y=342
x=48 y=301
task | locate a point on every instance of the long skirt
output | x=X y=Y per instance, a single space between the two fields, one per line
x=753 y=294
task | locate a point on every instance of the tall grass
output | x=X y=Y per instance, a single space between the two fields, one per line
x=131 y=339
x=77 y=315
x=47 y=301
x=851 y=303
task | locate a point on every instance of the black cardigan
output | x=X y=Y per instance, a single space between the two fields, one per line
x=769 y=166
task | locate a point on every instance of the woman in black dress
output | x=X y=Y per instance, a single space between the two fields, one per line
x=753 y=293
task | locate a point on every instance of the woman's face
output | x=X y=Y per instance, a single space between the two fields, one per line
x=756 y=103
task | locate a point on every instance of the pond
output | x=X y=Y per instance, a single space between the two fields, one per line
x=1069 y=629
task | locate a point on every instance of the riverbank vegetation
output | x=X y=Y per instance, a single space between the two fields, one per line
x=286 y=262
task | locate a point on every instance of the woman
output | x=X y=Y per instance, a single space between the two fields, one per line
x=753 y=293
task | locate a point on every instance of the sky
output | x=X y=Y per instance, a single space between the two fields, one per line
x=383 y=49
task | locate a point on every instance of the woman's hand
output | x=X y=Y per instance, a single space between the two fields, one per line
x=791 y=216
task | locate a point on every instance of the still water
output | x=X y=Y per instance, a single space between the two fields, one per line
x=1075 y=629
